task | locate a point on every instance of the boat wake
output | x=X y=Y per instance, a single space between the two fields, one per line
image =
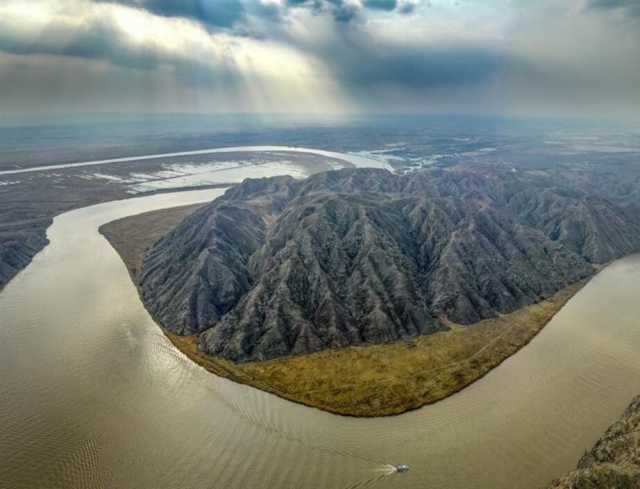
x=387 y=469
x=377 y=475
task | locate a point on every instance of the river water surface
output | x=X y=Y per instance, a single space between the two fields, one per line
x=92 y=395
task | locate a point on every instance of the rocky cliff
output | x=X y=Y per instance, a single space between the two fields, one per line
x=614 y=461
x=278 y=266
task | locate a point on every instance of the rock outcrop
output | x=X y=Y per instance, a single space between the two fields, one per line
x=614 y=461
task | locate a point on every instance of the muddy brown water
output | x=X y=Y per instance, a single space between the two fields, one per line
x=92 y=395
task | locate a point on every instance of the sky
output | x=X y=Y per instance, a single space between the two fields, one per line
x=577 y=58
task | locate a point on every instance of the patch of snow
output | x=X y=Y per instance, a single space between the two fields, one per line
x=200 y=175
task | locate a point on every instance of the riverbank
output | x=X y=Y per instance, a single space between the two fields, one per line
x=365 y=381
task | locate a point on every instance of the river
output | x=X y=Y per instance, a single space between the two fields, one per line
x=358 y=160
x=94 y=396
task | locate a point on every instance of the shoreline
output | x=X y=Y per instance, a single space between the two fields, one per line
x=341 y=381
x=235 y=372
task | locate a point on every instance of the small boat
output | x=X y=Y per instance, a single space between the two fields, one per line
x=401 y=468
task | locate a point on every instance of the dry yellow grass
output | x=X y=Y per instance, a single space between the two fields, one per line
x=381 y=380
x=372 y=380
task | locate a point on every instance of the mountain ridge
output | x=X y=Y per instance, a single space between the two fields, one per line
x=278 y=266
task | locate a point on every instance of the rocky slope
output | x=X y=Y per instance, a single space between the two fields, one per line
x=614 y=461
x=18 y=245
x=278 y=266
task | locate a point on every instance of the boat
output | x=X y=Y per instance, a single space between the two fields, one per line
x=401 y=468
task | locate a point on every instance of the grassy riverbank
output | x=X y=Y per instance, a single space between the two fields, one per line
x=373 y=380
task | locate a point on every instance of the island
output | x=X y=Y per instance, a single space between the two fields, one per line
x=368 y=293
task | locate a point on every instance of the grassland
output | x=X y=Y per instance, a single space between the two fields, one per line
x=373 y=380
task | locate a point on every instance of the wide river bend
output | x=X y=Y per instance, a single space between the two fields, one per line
x=92 y=395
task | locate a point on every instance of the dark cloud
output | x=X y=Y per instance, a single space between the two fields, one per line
x=349 y=11
x=631 y=7
x=407 y=8
x=217 y=13
x=363 y=61
x=341 y=10
x=387 y=5
x=270 y=11
x=229 y=13
x=426 y=66
x=344 y=11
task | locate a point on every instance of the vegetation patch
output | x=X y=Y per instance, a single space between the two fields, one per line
x=387 y=379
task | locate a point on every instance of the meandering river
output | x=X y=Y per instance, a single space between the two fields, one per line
x=358 y=160
x=92 y=395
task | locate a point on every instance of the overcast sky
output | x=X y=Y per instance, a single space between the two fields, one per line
x=522 y=57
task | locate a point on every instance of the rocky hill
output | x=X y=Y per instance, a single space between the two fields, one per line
x=279 y=266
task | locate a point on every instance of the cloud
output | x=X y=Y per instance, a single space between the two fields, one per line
x=364 y=64
x=218 y=13
x=333 y=55
x=225 y=69
x=630 y=7
x=387 y=5
x=137 y=39
x=341 y=10
x=125 y=38
x=407 y=7
x=304 y=47
x=348 y=10
x=400 y=52
x=231 y=13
